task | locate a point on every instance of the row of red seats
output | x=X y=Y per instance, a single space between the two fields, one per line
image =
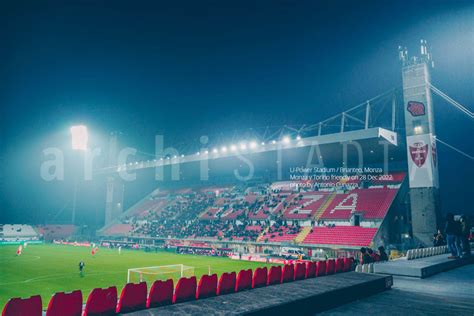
x=134 y=296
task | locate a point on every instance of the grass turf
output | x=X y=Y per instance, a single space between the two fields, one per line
x=46 y=269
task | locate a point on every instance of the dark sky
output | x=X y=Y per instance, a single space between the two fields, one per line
x=188 y=68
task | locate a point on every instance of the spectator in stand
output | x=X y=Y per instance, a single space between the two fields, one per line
x=438 y=239
x=452 y=230
x=375 y=257
x=365 y=257
x=382 y=254
x=465 y=231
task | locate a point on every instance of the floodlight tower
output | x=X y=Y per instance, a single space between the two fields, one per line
x=115 y=187
x=79 y=142
x=421 y=143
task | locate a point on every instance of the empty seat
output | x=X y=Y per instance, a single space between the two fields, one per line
x=348 y=264
x=274 y=275
x=288 y=273
x=339 y=265
x=101 y=302
x=244 y=280
x=207 y=286
x=259 y=277
x=320 y=268
x=161 y=294
x=330 y=266
x=300 y=271
x=185 y=290
x=23 y=307
x=310 y=269
x=132 y=298
x=226 y=283
x=65 y=304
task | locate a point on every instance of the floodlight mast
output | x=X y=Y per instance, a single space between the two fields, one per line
x=79 y=141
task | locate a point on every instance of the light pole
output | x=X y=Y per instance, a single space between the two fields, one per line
x=79 y=140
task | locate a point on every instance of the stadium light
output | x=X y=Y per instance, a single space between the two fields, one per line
x=233 y=148
x=215 y=150
x=79 y=137
x=274 y=142
x=263 y=143
x=243 y=146
x=206 y=152
x=253 y=145
x=298 y=137
x=286 y=139
x=418 y=129
x=224 y=149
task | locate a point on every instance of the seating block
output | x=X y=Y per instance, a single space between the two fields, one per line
x=300 y=271
x=226 y=283
x=23 y=306
x=65 y=304
x=101 y=302
x=288 y=273
x=161 y=294
x=260 y=277
x=185 y=290
x=207 y=286
x=274 y=275
x=244 y=280
x=132 y=298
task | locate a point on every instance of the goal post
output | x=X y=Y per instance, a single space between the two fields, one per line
x=151 y=274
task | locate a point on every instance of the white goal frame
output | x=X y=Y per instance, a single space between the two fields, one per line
x=180 y=268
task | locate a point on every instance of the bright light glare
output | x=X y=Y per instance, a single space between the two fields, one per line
x=274 y=142
x=286 y=140
x=298 y=137
x=215 y=150
x=224 y=149
x=80 y=137
x=253 y=145
x=233 y=148
x=243 y=146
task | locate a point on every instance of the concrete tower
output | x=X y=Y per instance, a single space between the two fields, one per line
x=421 y=143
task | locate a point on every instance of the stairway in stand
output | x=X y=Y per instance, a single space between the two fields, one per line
x=323 y=207
x=302 y=235
x=261 y=236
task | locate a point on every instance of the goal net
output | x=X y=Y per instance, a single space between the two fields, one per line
x=150 y=274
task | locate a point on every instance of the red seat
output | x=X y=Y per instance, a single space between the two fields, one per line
x=101 y=302
x=320 y=268
x=339 y=265
x=244 y=280
x=161 y=294
x=348 y=264
x=300 y=271
x=132 y=298
x=260 y=277
x=65 y=304
x=185 y=290
x=310 y=269
x=288 y=273
x=274 y=275
x=226 y=283
x=23 y=306
x=330 y=266
x=207 y=286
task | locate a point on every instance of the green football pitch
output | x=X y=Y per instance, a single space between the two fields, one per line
x=46 y=269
